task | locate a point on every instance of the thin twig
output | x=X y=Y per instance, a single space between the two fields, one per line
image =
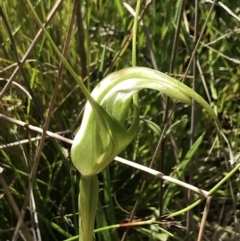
x=35 y=128
x=119 y=159
x=15 y=208
x=25 y=141
x=199 y=39
x=81 y=39
x=192 y=164
x=204 y=218
x=161 y=175
x=167 y=116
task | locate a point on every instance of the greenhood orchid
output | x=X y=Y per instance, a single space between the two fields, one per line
x=109 y=124
x=104 y=132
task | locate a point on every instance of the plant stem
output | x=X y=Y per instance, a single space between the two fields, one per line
x=88 y=199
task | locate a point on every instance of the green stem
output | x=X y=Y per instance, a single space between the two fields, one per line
x=134 y=41
x=134 y=47
x=214 y=189
x=125 y=225
x=88 y=199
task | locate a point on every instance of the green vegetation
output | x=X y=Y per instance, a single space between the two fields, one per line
x=39 y=182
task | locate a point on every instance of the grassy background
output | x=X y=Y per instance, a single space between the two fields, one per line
x=95 y=40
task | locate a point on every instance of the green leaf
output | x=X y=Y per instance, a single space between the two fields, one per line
x=178 y=172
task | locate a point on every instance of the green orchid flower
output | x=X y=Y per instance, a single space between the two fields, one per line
x=106 y=130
